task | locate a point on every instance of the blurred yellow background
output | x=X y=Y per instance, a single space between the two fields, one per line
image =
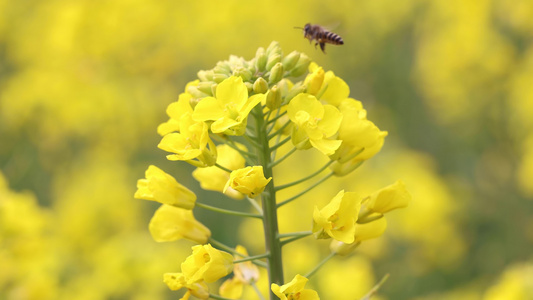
x=84 y=84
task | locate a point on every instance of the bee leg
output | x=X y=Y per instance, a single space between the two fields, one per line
x=316 y=45
x=322 y=47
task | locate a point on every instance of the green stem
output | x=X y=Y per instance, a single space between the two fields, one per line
x=375 y=288
x=252 y=142
x=283 y=158
x=306 y=190
x=234 y=252
x=368 y=219
x=275 y=152
x=256 y=113
x=270 y=217
x=223 y=168
x=294 y=236
x=249 y=258
x=277 y=117
x=232 y=144
x=320 y=264
x=279 y=144
x=228 y=212
x=280 y=130
x=255 y=205
x=281 y=187
x=217 y=297
x=267 y=116
x=258 y=292
x=249 y=133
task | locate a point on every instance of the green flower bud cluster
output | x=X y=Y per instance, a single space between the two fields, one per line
x=263 y=74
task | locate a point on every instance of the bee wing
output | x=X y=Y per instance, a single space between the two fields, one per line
x=331 y=26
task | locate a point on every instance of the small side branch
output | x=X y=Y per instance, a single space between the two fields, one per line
x=320 y=264
x=305 y=191
x=234 y=252
x=280 y=144
x=281 y=187
x=375 y=288
x=293 y=236
x=228 y=212
x=249 y=258
x=283 y=158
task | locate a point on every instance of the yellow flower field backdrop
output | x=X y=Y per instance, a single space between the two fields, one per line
x=84 y=85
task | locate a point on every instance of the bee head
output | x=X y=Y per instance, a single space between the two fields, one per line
x=307 y=27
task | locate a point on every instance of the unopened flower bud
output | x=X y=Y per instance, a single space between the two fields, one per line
x=243 y=73
x=205 y=75
x=296 y=89
x=290 y=60
x=261 y=62
x=276 y=73
x=301 y=65
x=249 y=86
x=273 y=98
x=274 y=47
x=205 y=87
x=218 y=78
x=260 y=86
x=273 y=60
x=195 y=92
x=314 y=81
x=252 y=68
x=222 y=69
x=284 y=85
x=213 y=88
x=260 y=59
x=194 y=101
x=345 y=168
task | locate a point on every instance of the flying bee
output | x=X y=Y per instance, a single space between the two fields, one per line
x=321 y=35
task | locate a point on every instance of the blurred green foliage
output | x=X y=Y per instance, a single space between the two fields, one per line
x=84 y=84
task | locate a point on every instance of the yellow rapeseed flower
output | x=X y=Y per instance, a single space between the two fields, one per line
x=161 y=187
x=229 y=109
x=388 y=198
x=214 y=178
x=314 y=80
x=245 y=273
x=326 y=86
x=176 y=281
x=171 y=223
x=337 y=219
x=206 y=264
x=361 y=139
x=250 y=181
x=175 y=111
x=314 y=124
x=363 y=232
x=190 y=144
x=294 y=290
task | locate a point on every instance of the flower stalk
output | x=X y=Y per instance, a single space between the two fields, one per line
x=231 y=123
x=270 y=217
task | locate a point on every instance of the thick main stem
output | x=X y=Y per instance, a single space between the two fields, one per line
x=270 y=214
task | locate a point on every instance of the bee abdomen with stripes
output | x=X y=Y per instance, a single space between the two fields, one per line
x=321 y=36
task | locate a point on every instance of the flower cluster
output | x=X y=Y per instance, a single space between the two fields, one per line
x=230 y=123
x=206 y=264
